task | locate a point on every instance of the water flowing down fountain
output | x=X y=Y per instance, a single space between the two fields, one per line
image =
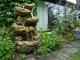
x=26 y=37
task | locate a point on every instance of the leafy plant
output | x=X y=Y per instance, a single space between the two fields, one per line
x=23 y=56
x=65 y=25
x=76 y=56
x=6 y=45
x=7 y=10
x=49 y=42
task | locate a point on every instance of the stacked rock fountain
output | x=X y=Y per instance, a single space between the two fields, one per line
x=26 y=37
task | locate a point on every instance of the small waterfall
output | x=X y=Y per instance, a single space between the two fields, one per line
x=24 y=27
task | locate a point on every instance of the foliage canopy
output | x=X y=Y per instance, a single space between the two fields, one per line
x=7 y=7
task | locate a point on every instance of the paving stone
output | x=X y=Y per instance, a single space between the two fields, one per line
x=63 y=54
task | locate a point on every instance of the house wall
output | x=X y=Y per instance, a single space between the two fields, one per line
x=72 y=1
x=58 y=9
x=78 y=1
x=42 y=13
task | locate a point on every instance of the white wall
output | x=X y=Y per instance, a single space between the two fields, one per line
x=72 y=1
x=42 y=13
x=58 y=8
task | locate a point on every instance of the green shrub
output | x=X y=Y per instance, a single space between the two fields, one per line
x=7 y=8
x=76 y=56
x=6 y=45
x=49 y=42
x=23 y=56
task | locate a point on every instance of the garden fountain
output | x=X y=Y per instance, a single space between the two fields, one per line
x=26 y=36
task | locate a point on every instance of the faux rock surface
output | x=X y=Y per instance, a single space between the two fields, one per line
x=22 y=12
x=29 y=6
x=26 y=37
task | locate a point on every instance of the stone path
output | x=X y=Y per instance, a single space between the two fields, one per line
x=63 y=54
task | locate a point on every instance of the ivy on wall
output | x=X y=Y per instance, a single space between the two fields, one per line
x=7 y=7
